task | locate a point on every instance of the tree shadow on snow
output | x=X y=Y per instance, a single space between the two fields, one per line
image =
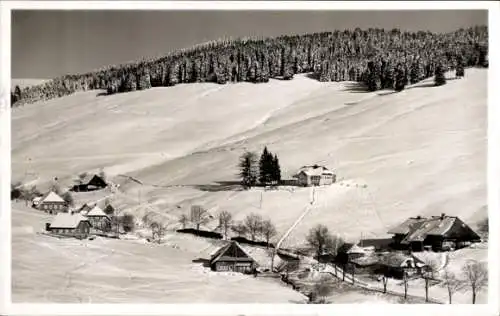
x=355 y=87
x=102 y=94
x=220 y=186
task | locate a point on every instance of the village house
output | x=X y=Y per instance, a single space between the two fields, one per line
x=99 y=221
x=232 y=257
x=51 y=203
x=314 y=176
x=91 y=182
x=69 y=225
x=439 y=233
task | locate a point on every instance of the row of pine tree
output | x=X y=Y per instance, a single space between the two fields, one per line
x=266 y=171
x=376 y=57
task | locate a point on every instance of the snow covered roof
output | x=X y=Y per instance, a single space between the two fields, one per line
x=405 y=227
x=355 y=249
x=397 y=260
x=417 y=229
x=51 y=197
x=37 y=199
x=97 y=212
x=434 y=226
x=315 y=170
x=67 y=220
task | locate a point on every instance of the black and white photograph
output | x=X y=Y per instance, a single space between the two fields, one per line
x=248 y=156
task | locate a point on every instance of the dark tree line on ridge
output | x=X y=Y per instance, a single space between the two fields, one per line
x=375 y=57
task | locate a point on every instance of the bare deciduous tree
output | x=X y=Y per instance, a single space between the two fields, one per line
x=68 y=198
x=452 y=283
x=225 y=221
x=240 y=229
x=322 y=289
x=323 y=241
x=476 y=276
x=268 y=231
x=199 y=216
x=158 y=231
x=253 y=223
x=184 y=220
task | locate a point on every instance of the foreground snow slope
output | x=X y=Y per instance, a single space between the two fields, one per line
x=420 y=151
x=51 y=270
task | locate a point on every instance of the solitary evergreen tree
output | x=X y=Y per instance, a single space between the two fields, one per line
x=460 y=71
x=17 y=92
x=248 y=169
x=266 y=167
x=439 y=77
x=374 y=74
x=276 y=170
x=400 y=79
x=415 y=72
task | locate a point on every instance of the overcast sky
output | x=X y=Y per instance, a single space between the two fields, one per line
x=46 y=44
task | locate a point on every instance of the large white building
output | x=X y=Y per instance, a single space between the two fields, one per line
x=315 y=175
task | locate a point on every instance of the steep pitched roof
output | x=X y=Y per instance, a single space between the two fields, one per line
x=89 y=177
x=434 y=226
x=96 y=212
x=232 y=251
x=51 y=197
x=405 y=227
x=67 y=220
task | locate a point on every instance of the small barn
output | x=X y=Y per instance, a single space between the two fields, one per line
x=397 y=264
x=51 y=203
x=91 y=182
x=70 y=225
x=98 y=219
x=232 y=257
x=439 y=233
x=315 y=176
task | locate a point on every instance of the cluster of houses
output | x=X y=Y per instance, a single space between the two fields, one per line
x=81 y=222
x=393 y=256
x=397 y=256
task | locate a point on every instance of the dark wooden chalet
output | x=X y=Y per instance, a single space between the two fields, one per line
x=232 y=257
x=439 y=233
x=70 y=225
x=51 y=203
x=91 y=182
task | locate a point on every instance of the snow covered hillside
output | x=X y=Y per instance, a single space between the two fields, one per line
x=418 y=152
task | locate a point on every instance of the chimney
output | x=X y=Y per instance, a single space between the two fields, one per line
x=442 y=216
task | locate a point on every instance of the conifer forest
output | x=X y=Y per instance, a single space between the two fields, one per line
x=377 y=58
